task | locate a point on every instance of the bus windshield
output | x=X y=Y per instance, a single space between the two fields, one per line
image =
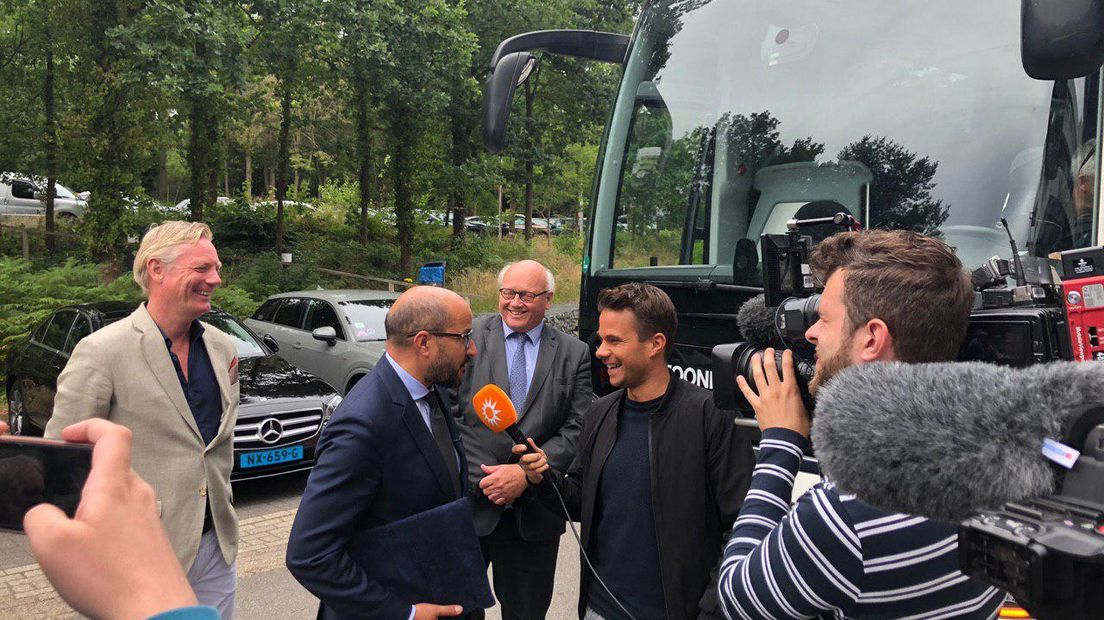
x=734 y=116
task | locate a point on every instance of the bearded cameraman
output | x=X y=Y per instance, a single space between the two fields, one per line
x=888 y=296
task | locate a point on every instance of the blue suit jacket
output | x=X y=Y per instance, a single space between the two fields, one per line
x=376 y=463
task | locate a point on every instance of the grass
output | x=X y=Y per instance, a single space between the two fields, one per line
x=481 y=285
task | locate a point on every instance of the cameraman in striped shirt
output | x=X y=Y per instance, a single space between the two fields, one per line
x=888 y=296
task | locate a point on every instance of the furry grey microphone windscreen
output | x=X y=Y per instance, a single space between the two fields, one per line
x=945 y=440
x=756 y=323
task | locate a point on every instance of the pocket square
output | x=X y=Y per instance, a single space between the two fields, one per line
x=233 y=371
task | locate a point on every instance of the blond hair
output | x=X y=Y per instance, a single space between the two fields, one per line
x=162 y=242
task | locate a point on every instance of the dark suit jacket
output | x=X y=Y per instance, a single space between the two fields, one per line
x=559 y=395
x=376 y=463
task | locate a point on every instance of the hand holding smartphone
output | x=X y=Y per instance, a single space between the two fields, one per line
x=112 y=560
x=35 y=471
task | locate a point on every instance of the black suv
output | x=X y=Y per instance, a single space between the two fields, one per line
x=281 y=412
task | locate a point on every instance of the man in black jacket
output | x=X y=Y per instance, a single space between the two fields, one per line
x=659 y=476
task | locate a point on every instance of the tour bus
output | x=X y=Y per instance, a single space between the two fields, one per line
x=734 y=116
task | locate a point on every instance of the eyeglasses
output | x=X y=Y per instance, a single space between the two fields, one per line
x=509 y=293
x=464 y=337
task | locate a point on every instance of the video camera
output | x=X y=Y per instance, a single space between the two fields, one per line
x=791 y=306
x=1035 y=321
x=1048 y=552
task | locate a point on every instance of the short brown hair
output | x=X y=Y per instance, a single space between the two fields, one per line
x=654 y=312
x=914 y=283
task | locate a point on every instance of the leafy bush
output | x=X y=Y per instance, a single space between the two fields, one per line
x=238 y=226
x=236 y=301
x=28 y=296
x=266 y=276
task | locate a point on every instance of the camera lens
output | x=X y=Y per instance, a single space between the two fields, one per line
x=742 y=362
x=795 y=315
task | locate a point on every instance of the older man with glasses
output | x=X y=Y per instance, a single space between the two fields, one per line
x=547 y=375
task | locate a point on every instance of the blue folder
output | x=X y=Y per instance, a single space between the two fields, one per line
x=430 y=557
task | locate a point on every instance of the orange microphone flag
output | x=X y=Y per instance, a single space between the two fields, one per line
x=494 y=408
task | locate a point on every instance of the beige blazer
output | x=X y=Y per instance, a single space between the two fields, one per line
x=123 y=373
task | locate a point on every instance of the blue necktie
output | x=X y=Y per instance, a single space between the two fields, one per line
x=519 y=387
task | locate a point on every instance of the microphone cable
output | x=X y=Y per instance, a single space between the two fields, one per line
x=579 y=541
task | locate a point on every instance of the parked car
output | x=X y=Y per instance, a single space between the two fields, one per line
x=336 y=334
x=540 y=226
x=185 y=206
x=485 y=225
x=25 y=195
x=281 y=411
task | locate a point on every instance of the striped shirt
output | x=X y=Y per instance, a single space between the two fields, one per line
x=834 y=556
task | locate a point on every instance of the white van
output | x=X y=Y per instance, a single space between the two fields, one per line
x=26 y=196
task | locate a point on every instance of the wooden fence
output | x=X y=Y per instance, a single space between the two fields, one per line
x=391 y=284
x=25 y=233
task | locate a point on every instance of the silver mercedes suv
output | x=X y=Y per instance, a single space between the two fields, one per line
x=337 y=335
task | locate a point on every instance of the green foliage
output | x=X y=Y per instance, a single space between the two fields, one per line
x=267 y=276
x=237 y=226
x=236 y=301
x=28 y=296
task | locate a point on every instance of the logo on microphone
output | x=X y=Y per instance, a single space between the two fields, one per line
x=489 y=413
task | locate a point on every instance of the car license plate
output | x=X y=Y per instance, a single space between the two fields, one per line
x=270 y=457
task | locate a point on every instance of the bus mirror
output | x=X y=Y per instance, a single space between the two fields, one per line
x=1061 y=39
x=512 y=62
x=512 y=71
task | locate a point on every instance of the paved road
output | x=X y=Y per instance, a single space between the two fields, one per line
x=266 y=591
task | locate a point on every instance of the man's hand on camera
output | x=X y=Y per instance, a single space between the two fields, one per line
x=778 y=402
x=113 y=560
x=3 y=429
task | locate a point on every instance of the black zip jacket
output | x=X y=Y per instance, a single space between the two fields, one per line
x=701 y=468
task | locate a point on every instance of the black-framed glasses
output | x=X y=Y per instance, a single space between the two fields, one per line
x=526 y=296
x=464 y=337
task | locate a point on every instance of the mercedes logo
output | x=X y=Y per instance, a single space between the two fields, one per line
x=271 y=430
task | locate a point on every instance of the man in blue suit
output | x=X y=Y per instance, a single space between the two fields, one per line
x=390 y=451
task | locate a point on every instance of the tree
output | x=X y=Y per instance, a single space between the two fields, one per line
x=428 y=46
x=288 y=34
x=193 y=52
x=900 y=195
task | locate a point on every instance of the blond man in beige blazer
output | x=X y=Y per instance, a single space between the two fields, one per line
x=172 y=381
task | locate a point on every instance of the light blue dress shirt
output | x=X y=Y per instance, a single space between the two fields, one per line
x=418 y=391
x=531 y=350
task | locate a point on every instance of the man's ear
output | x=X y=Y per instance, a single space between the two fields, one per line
x=156 y=269
x=420 y=343
x=874 y=342
x=659 y=345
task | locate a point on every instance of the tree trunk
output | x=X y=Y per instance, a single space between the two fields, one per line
x=198 y=159
x=225 y=171
x=282 y=163
x=163 y=173
x=402 y=134
x=51 y=135
x=248 y=185
x=460 y=153
x=316 y=177
x=366 y=170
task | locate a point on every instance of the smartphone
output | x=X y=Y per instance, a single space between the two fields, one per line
x=33 y=471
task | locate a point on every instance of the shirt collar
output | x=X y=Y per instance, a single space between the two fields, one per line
x=195 y=331
x=416 y=389
x=534 y=334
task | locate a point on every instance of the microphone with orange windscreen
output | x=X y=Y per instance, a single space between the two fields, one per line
x=496 y=411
